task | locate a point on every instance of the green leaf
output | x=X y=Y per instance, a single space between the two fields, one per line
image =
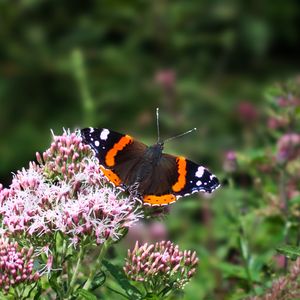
x=289 y=251
x=38 y=291
x=151 y=296
x=232 y=271
x=297 y=111
x=98 y=280
x=244 y=248
x=295 y=200
x=53 y=282
x=86 y=294
x=118 y=273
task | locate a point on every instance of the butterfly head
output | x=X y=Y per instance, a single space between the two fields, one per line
x=154 y=152
x=158 y=147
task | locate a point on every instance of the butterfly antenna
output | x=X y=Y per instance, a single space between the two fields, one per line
x=179 y=135
x=157 y=124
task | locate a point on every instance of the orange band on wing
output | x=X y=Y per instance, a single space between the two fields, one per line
x=159 y=200
x=120 y=145
x=111 y=176
x=181 y=181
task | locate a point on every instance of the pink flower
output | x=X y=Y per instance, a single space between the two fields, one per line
x=161 y=264
x=16 y=265
x=66 y=192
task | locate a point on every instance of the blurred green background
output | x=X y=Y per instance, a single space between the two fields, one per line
x=205 y=63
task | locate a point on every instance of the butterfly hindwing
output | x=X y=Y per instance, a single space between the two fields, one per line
x=176 y=177
x=197 y=179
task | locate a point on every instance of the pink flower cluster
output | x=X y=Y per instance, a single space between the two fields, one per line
x=66 y=192
x=160 y=265
x=16 y=265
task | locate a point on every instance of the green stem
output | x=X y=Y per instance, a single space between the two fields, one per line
x=284 y=201
x=97 y=265
x=244 y=248
x=74 y=276
x=81 y=77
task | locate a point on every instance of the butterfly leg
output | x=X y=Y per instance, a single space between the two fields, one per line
x=133 y=190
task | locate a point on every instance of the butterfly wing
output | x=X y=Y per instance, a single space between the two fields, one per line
x=176 y=177
x=118 y=154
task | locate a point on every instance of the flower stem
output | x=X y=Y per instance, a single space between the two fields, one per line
x=284 y=201
x=74 y=276
x=97 y=265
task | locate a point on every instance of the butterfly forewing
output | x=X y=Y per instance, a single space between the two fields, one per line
x=115 y=151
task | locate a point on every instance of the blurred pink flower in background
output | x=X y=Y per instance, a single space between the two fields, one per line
x=288 y=147
x=279 y=261
x=230 y=161
x=146 y=232
x=166 y=78
x=289 y=101
x=157 y=232
x=277 y=122
x=292 y=188
x=247 y=112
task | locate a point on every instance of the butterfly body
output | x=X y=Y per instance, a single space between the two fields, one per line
x=158 y=178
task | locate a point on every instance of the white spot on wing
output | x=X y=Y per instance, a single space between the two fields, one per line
x=104 y=134
x=92 y=129
x=200 y=172
x=97 y=143
x=198 y=183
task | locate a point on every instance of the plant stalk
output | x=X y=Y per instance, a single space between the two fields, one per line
x=97 y=265
x=74 y=276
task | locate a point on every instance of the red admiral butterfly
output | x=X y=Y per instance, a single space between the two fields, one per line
x=158 y=178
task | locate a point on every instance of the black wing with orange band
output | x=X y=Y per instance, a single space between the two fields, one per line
x=176 y=177
x=117 y=153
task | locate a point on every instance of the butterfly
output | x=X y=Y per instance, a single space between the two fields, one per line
x=157 y=178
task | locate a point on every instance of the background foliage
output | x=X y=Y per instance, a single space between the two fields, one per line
x=206 y=64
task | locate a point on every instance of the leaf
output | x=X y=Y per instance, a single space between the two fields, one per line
x=244 y=248
x=98 y=280
x=38 y=292
x=53 y=282
x=256 y=264
x=232 y=271
x=118 y=273
x=295 y=200
x=289 y=251
x=86 y=294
